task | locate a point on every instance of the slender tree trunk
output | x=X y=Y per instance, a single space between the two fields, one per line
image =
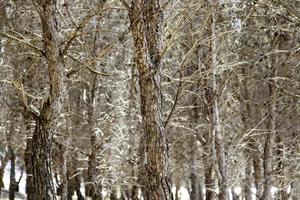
x=12 y=156
x=195 y=192
x=64 y=181
x=4 y=162
x=268 y=148
x=246 y=117
x=65 y=159
x=208 y=159
x=282 y=193
x=28 y=156
x=251 y=152
x=133 y=193
x=12 y=183
x=46 y=119
x=177 y=190
x=93 y=190
x=216 y=126
x=147 y=33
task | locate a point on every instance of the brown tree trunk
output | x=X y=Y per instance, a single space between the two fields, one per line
x=12 y=183
x=46 y=119
x=27 y=159
x=41 y=159
x=147 y=33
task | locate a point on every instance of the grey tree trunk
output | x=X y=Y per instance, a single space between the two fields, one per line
x=254 y=161
x=216 y=126
x=4 y=162
x=93 y=190
x=271 y=130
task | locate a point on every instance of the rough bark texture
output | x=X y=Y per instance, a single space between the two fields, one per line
x=46 y=120
x=146 y=26
x=28 y=161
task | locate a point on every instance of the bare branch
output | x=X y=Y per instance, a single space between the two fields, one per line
x=290 y=9
x=8 y=36
x=175 y=101
x=125 y=4
x=73 y=35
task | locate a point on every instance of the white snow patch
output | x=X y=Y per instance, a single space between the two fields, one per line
x=6 y=179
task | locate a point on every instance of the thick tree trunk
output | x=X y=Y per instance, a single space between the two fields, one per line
x=146 y=28
x=41 y=159
x=46 y=119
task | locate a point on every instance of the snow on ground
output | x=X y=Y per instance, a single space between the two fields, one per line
x=183 y=192
x=18 y=174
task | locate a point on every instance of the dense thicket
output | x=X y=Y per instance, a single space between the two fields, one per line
x=135 y=99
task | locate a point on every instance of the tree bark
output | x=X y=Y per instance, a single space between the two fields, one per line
x=12 y=183
x=146 y=26
x=216 y=126
x=282 y=193
x=28 y=157
x=94 y=189
x=4 y=162
x=251 y=152
x=268 y=148
x=46 y=119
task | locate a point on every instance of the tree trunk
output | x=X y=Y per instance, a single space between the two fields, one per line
x=12 y=183
x=282 y=193
x=147 y=33
x=94 y=189
x=195 y=192
x=27 y=159
x=252 y=152
x=268 y=148
x=216 y=126
x=41 y=159
x=4 y=162
x=209 y=180
x=46 y=119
